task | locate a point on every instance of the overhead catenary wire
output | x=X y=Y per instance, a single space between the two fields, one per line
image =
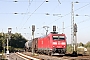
x=79 y=22
x=24 y=13
x=27 y=10
x=23 y=1
x=62 y=16
x=33 y=13
x=12 y=1
x=69 y=13
x=59 y=1
x=78 y=9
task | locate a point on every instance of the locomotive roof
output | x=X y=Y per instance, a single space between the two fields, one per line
x=51 y=33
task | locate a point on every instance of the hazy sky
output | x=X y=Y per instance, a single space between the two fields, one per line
x=33 y=12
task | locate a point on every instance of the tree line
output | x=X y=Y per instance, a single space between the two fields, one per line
x=16 y=41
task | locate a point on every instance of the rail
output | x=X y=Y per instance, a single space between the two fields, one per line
x=26 y=57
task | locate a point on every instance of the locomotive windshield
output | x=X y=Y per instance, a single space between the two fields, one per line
x=58 y=38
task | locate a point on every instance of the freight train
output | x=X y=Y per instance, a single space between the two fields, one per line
x=51 y=44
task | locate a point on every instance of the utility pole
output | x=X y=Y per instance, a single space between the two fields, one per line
x=75 y=38
x=3 y=45
x=7 y=46
x=33 y=29
x=8 y=38
x=73 y=33
x=72 y=24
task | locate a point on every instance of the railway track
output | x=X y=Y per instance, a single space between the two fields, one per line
x=46 y=57
x=26 y=57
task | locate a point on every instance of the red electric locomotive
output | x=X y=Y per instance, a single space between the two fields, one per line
x=52 y=43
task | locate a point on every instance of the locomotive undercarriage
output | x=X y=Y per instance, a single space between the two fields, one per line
x=59 y=51
x=55 y=51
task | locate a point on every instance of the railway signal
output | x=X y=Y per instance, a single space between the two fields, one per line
x=75 y=27
x=33 y=28
x=54 y=28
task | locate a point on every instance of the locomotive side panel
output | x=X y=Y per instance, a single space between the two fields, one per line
x=46 y=43
x=40 y=43
x=43 y=43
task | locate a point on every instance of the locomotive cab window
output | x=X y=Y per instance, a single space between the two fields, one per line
x=55 y=37
x=61 y=37
x=58 y=38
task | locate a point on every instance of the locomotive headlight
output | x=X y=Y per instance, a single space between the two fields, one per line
x=54 y=43
x=63 y=43
x=50 y=49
